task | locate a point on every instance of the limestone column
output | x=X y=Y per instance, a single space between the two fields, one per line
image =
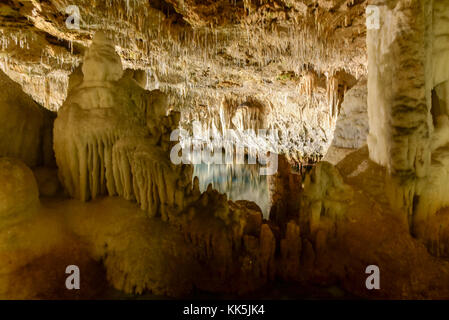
x=399 y=94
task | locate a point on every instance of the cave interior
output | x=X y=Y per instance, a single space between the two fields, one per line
x=262 y=149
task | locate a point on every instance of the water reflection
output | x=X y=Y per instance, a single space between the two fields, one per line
x=237 y=181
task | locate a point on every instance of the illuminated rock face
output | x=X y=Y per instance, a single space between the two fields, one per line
x=351 y=128
x=398 y=98
x=95 y=115
x=408 y=114
x=109 y=135
x=398 y=106
x=25 y=127
x=101 y=62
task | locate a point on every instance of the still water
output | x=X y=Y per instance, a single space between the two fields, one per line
x=237 y=181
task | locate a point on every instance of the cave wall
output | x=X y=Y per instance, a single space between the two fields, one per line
x=26 y=128
x=351 y=128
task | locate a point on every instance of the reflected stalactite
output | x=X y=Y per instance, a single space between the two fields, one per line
x=237 y=181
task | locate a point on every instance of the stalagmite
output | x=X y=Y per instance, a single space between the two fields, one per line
x=108 y=122
x=326 y=197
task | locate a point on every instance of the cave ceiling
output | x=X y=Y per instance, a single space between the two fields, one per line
x=206 y=47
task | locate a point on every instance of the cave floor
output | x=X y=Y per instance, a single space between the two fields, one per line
x=66 y=231
x=113 y=234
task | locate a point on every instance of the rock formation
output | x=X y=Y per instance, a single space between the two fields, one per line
x=351 y=128
x=26 y=127
x=119 y=177
x=121 y=136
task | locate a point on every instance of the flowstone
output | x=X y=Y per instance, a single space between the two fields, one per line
x=111 y=136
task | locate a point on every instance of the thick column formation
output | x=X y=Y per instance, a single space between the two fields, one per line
x=398 y=99
x=112 y=136
x=408 y=111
